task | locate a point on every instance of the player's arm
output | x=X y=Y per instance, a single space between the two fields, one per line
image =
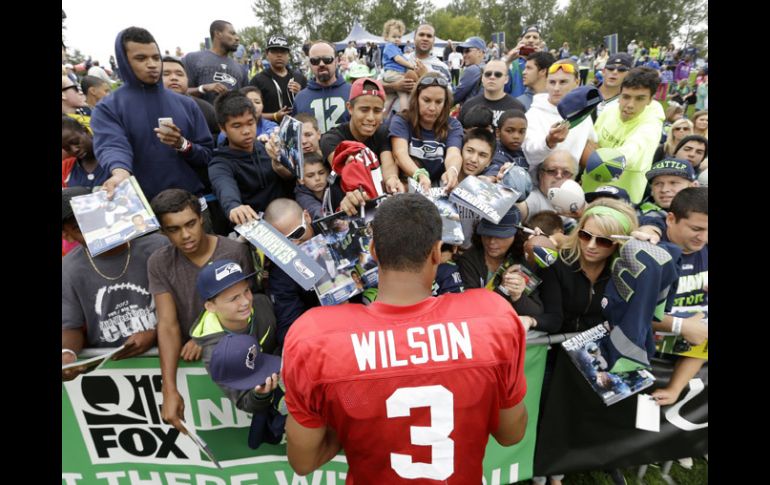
x=309 y=448
x=512 y=425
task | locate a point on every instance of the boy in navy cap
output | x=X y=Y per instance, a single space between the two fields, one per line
x=667 y=178
x=230 y=310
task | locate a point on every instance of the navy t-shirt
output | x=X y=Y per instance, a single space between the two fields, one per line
x=426 y=151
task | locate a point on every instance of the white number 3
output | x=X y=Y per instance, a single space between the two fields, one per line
x=441 y=403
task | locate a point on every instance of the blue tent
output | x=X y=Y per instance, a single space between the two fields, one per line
x=360 y=36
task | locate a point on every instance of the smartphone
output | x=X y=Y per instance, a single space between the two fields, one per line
x=526 y=50
x=165 y=121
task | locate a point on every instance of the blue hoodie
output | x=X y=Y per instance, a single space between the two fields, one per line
x=331 y=99
x=124 y=138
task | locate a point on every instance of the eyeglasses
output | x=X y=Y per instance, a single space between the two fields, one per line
x=558 y=172
x=601 y=241
x=497 y=74
x=318 y=59
x=617 y=67
x=568 y=68
x=299 y=231
x=74 y=86
x=433 y=80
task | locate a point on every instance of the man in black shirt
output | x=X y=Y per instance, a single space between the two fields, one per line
x=493 y=79
x=278 y=84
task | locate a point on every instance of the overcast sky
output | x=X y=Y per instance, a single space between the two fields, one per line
x=92 y=25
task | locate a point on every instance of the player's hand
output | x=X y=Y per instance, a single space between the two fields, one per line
x=172 y=409
x=694 y=330
x=137 y=344
x=243 y=214
x=269 y=386
x=352 y=201
x=191 y=351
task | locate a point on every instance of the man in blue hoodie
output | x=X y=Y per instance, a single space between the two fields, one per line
x=126 y=138
x=326 y=94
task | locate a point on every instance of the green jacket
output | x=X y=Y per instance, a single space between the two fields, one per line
x=637 y=139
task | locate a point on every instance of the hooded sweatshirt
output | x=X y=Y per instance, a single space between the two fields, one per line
x=241 y=178
x=124 y=138
x=207 y=331
x=326 y=103
x=637 y=139
x=540 y=117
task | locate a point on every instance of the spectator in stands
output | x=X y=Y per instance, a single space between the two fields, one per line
x=172 y=272
x=311 y=136
x=212 y=72
x=278 y=82
x=534 y=76
x=309 y=192
x=473 y=50
x=511 y=132
x=80 y=168
x=695 y=149
x=123 y=141
x=95 y=89
x=667 y=178
x=422 y=57
x=614 y=72
x=559 y=166
x=326 y=93
x=426 y=141
x=265 y=128
x=678 y=130
x=493 y=79
x=105 y=302
x=245 y=174
x=175 y=79
x=700 y=121
x=478 y=149
x=518 y=56
x=394 y=64
x=545 y=128
x=455 y=62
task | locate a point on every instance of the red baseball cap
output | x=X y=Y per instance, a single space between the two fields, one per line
x=358 y=89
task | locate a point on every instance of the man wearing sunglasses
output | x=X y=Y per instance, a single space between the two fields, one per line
x=325 y=94
x=473 y=51
x=72 y=98
x=558 y=167
x=614 y=72
x=493 y=79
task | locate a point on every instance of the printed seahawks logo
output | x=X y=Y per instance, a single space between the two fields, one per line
x=303 y=270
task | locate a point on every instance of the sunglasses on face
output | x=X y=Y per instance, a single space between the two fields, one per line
x=681 y=128
x=497 y=74
x=568 y=68
x=617 y=67
x=558 y=172
x=433 y=80
x=297 y=233
x=318 y=59
x=74 y=86
x=601 y=241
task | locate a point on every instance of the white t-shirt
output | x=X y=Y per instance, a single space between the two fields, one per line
x=455 y=60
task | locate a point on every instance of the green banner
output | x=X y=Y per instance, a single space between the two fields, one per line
x=112 y=433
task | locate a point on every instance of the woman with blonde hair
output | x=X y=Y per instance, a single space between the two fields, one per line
x=678 y=130
x=700 y=121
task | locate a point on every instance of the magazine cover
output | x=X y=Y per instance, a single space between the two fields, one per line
x=343 y=244
x=89 y=365
x=282 y=252
x=290 y=137
x=585 y=351
x=106 y=224
x=490 y=201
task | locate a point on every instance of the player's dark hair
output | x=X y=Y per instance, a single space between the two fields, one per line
x=231 y=104
x=138 y=35
x=642 y=77
x=405 y=250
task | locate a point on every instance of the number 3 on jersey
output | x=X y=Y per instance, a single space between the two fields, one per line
x=321 y=106
x=441 y=403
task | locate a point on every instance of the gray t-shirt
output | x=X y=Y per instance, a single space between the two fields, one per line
x=112 y=310
x=171 y=272
x=205 y=67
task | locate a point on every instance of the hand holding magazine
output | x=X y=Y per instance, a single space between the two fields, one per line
x=88 y=365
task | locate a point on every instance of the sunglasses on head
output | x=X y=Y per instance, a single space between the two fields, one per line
x=299 y=231
x=601 y=241
x=497 y=74
x=617 y=67
x=568 y=68
x=433 y=80
x=318 y=59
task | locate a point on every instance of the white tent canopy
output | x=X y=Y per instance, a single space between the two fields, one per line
x=360 y=36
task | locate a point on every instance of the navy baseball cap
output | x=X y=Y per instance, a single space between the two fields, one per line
x=671 y=166
x=620 y=59
x=476 y=42
x=578 y=104
x=237 y=362
x=216 y=277
x=608 y=191
x=505 y=228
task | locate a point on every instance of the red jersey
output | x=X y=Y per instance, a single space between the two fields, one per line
x=412 y=391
